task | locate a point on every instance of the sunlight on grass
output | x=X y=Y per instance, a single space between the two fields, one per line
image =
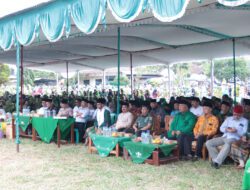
x=41 y=166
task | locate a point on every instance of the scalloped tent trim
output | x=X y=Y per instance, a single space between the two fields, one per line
x=14 y=29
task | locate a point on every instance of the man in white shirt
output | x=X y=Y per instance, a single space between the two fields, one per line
x=81 y=117
x=41 y=111
x=77 y=106
x=196 y=109
x=125 y=118
x=102 y=117
x=233 y=128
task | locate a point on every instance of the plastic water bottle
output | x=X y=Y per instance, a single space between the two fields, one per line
x=53 y=113
x=105 y=131
x=143 y=137
x=45 y=113
x=148 y=137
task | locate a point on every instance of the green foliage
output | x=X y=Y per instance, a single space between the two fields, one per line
x=182 y=71
x=150 y=69
x=124 y=81
x=28 y=77
x=44 y=74
x=4 y=73
x=223 y=69
x=9 y=106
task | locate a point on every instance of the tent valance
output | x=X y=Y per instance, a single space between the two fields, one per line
x=54 y=18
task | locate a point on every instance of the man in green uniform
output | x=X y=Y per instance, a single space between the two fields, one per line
x=182 y=129
x=144 y=122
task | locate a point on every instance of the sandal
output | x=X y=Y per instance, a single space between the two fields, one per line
x=240 y=167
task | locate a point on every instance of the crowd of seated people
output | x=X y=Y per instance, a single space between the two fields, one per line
x=213 y=123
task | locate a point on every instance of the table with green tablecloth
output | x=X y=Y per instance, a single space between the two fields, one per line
x=24 y=122
x=104 y=145
x=140 y=152
x=46 y=127
x=246 y=177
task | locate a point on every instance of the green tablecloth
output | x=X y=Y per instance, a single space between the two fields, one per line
x=139 y=152
x=46 y=127
x=105 y=145
x=246 y=177
x=24 y=121
x=64 y=125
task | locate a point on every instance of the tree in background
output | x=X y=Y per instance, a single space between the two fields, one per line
x=28 y=77
x=124 y=81
x=44 y=74
x=182 y=72
x=4 y=73
x=223 y=69
x=156 y=69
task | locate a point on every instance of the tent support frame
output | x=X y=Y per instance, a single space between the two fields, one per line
x=234 y=62
x=118 y=69
x=17 y=95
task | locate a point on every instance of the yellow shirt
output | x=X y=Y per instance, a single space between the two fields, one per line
x=206 y=125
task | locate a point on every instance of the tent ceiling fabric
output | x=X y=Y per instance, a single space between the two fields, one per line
x=204 y=32
x=54 y=17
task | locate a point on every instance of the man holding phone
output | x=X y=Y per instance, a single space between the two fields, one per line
x=233 y=128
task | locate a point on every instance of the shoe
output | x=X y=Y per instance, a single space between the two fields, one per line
x=181 y=158
x=188 y=157
x=215 y=165
x=195 y=158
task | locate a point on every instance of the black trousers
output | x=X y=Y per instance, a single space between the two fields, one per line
x=81 y=128
x=200 y=141
x=184 y=144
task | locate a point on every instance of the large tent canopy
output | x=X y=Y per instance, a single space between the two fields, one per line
x=84 y=33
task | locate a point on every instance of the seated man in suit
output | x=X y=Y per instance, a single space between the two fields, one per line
x=181 y=129
x=233 y=128
x=205 y=128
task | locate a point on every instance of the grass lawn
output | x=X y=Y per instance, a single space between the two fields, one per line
x=41 y=166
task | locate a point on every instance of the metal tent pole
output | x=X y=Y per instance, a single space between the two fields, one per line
x=103 y=79
x=169 y=82
x=57 y=82
x=22 y=80
x=234 y=62
x=118 y=74
x=17 y=94
x=131 y=74
x=212 y=78
x=78 y=82
x=67 y=84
